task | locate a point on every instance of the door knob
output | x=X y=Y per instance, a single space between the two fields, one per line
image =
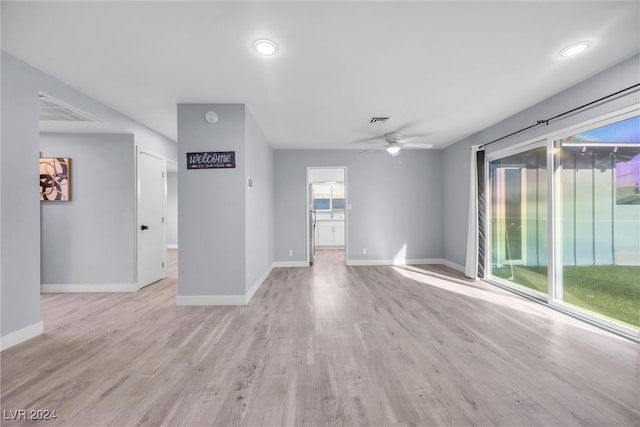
x=144 y=227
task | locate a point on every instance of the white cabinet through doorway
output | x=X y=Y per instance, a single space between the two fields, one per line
x=330 y=234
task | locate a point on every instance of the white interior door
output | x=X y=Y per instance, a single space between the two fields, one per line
x=151 y=213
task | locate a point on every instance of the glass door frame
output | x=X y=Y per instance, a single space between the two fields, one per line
x=501 y=228
x=489 y=157
x=554 y=295
x=556 y=288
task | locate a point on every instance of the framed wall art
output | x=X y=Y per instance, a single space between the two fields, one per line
x=55 y=179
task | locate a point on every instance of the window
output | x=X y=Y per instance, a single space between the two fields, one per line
x=593 y=269
x=322 y=204
x=328 y=197
x=337 y=196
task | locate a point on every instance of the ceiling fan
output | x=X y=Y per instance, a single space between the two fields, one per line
x=394 y=142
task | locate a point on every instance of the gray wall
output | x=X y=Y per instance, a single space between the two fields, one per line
x=455 y=176
x=396 y=202
x=20 y=247
x=211 y=208
x=259 y=204
x=20 y=206
x=90 y=240
x=172 y=209
x=1 y=180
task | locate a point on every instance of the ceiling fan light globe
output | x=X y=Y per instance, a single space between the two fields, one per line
x=393 y=149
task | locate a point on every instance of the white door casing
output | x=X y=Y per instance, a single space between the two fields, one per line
x=322 y=235
x=151 y=219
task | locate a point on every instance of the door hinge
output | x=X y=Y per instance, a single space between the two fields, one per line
x=162 y=264
x=163 y=220
x=163 y=174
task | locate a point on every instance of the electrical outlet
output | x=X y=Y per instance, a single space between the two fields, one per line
x=364 y=251
x=290 y=252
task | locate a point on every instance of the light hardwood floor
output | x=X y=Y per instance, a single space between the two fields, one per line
x=324 y=345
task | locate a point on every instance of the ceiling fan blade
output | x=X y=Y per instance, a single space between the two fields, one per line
x=371 y=149
x=365 y=142
x=417 y=145
x=411 y=138
x=368 y=140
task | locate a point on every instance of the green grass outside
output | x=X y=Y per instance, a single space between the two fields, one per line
x=609 y=290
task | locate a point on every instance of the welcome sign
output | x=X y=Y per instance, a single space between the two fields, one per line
x=211 y=160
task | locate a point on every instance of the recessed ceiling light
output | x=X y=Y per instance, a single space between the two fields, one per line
x=265 y=47
x=574 y=49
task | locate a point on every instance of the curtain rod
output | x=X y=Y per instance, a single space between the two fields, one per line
x=546 y=121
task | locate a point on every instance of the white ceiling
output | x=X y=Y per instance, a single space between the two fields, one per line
x=443 y=70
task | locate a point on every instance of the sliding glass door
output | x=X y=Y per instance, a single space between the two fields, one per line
x=518 y=219
x=581 y=191
x=598 y=210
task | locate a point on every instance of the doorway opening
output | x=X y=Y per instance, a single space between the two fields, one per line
x=327 y=213
x=171 y=222
x=90 y=234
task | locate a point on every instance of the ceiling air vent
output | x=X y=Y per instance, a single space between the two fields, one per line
x=52 y=110
x=378 y=120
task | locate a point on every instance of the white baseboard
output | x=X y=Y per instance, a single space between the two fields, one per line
x=396 y=261
x=291 y=264
x=225 y=299
x=453 y=265
x=211 y=300
x=251 y=292
x=80 y=288
x=445 y=262
x=21 y=335
x=172 y=246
